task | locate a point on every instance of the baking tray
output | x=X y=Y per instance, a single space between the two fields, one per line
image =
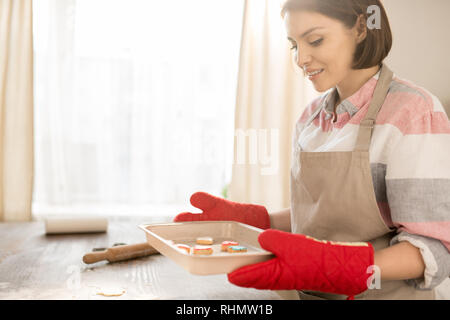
x=161 y=235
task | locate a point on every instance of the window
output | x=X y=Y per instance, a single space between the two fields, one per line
x=134 y=103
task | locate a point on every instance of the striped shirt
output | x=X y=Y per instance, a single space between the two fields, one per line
x=409 y=158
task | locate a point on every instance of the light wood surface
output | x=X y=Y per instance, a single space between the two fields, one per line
x=38 y=266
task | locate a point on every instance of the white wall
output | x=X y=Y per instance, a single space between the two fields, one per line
x=421 y=48
x=421 y=53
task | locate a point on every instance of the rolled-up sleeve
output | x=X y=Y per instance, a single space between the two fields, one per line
x=435 y=256
x=418 y=192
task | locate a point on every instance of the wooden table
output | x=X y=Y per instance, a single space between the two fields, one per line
x=38 y=266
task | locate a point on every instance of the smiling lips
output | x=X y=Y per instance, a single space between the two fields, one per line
x=311 y=73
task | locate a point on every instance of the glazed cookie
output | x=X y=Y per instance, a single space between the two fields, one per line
x=184 y=247
x=236 y=249
x=205 y=240
x=203 y=250
x=226 y=244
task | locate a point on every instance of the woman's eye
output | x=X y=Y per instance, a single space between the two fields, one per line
x=293 y=45
x=316 y=43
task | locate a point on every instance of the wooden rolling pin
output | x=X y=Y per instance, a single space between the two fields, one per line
x=120 y=253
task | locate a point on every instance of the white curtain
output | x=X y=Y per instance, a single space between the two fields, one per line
x=16 y=110
x=134 y=103
x=272 y=93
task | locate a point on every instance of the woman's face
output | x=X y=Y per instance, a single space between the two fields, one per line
x=321 y=44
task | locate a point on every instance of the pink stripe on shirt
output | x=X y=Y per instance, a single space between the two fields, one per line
x=428 y=229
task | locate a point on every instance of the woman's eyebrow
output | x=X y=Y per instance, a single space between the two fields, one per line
x=307 y=32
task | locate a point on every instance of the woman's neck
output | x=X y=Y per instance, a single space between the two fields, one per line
x=354 y=81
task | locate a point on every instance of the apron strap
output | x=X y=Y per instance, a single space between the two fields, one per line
x=379 y=96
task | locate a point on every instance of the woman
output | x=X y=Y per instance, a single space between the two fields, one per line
x=370 y=181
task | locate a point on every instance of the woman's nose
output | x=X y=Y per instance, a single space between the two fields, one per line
x=303 y=58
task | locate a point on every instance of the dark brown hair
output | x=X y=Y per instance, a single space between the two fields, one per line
x=378 y=42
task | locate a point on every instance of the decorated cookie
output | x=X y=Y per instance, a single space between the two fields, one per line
x=226 y=244
x=236 y=249
x=202 y=250
x=205 y=240
x=184 y=247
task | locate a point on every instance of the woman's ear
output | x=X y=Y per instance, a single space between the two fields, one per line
x=361 y=28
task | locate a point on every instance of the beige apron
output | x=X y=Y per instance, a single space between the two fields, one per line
x=333 y=198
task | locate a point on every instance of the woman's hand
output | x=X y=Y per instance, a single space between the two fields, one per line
x=215 y=208
x=305 y=263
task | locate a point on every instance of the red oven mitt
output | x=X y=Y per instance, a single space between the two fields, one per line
x=305 y=263
x=215 y=208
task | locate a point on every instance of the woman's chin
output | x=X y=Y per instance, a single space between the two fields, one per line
x=320 y=88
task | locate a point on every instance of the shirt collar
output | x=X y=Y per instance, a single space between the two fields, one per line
x=354 y=103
